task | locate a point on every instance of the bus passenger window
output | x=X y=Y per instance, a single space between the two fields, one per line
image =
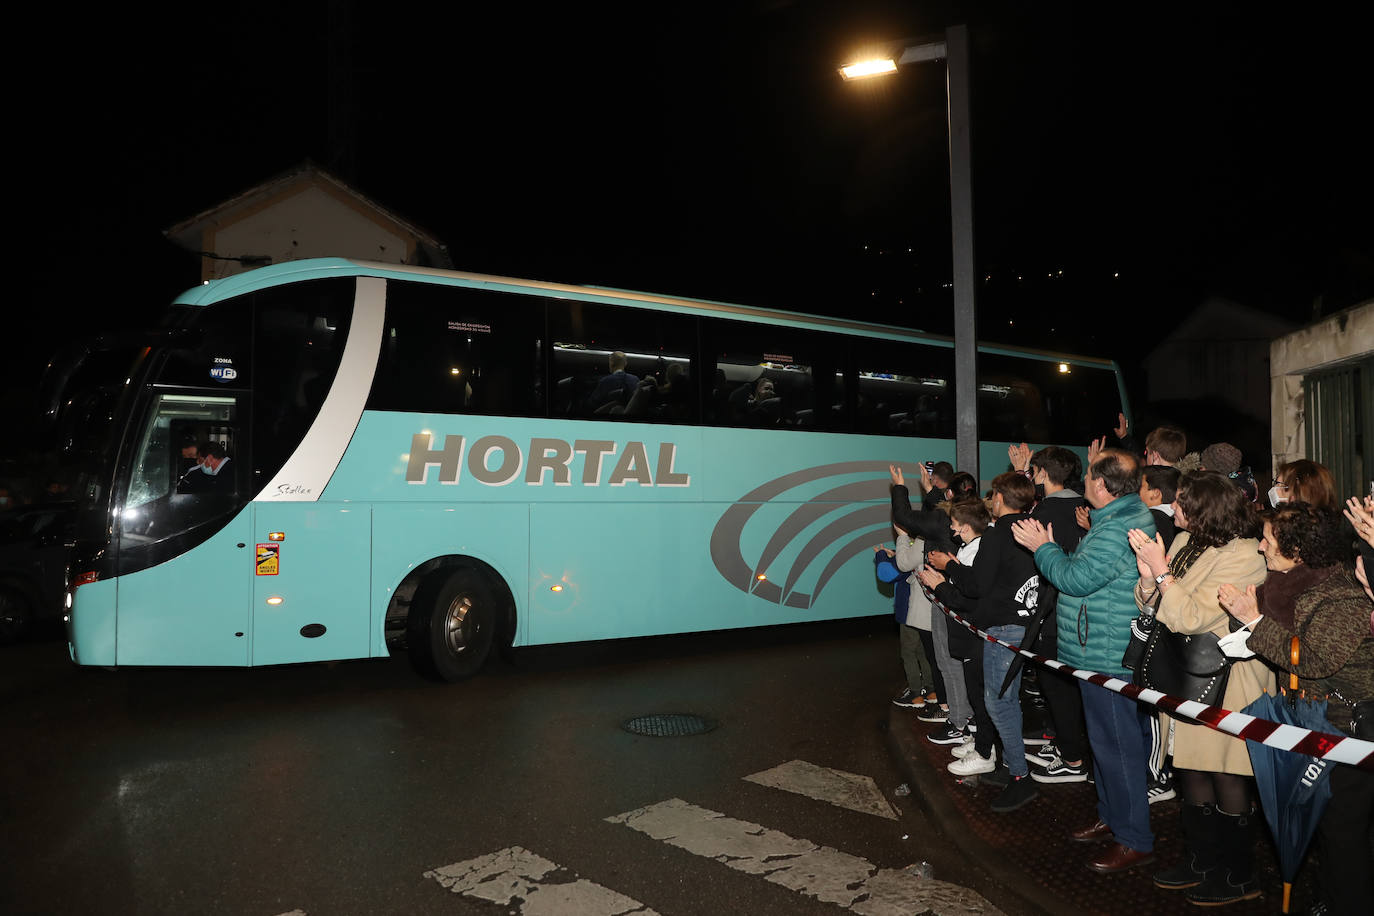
x=461 y=351
x=905 y=389
x=621 y=363
x=771 y=377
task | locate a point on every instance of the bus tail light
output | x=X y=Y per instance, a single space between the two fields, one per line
x=80 y=579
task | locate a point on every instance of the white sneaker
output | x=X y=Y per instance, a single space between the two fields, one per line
x=963 y=750
x=973 y=764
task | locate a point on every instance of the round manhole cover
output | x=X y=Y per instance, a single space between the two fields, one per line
x=669 y=725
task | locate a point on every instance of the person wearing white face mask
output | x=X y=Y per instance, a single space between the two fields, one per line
x=1306 y=482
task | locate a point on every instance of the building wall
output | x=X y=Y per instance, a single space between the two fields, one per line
x=1219 y=352
x=1344 y=337
x=307 y=222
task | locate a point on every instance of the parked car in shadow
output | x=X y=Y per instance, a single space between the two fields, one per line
x=35 y=546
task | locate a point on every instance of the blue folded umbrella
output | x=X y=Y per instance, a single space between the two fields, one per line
x=1294 y=788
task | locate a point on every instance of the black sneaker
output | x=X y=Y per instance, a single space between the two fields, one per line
x=1018 y=792
x=1059 y=771
x=999 y=778
x=933 y=713
x=947 y=735
x=1035 y=736
x=907 y=699
x=1044 y=756
x=1161 y=791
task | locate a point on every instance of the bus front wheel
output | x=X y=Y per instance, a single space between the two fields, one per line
x=452 y=624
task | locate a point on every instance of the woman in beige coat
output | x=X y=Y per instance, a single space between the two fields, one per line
x=1215 y=547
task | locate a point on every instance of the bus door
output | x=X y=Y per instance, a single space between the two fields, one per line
x=183 y=535
x=311 y=571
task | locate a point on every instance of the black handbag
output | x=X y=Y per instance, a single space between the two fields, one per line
x=1192 y=667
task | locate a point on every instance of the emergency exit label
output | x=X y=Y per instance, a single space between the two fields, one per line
x=268 y=560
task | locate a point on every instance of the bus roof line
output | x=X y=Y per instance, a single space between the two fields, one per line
x=317 y=268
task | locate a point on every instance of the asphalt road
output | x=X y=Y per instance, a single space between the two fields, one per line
x=332 y=789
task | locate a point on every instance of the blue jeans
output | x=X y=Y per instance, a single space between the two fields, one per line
x=1006 y=711
x=1119 y=735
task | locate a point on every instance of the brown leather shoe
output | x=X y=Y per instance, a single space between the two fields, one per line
x=1097 y=830
x=1119 y=858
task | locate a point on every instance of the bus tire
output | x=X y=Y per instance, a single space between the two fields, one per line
x=452 y=625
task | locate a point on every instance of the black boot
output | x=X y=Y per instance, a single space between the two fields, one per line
x=1234 y=879
x=1201 y=856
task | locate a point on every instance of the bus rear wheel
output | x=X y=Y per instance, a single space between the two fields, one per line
x=452 y=625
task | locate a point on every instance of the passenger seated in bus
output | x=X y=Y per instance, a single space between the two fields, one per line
x=616 y=387
x=757 y=404
x=212 y=476
x=669 y=399
x=194 y=479
x=190 y=456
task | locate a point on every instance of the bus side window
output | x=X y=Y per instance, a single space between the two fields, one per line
x=905 y=389
x=455 y=350
x=618 y=363
x=772 y=377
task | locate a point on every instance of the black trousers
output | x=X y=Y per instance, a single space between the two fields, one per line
x=985 y=738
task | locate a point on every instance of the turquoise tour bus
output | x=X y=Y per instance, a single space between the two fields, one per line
x=446 y=462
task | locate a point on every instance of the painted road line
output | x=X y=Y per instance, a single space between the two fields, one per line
x=540 y=887
x=800 y=865
x=844 y=790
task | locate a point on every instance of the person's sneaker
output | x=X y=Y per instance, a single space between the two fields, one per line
x=908 y=699
x=973 y=764
x=1017 y=793
x=1043 y=756
x=963 y=750
x=999 y=778
x=1161 y=791
x=947 y=735
x=1035 y=736
x=933 y=714
x=1059 y=771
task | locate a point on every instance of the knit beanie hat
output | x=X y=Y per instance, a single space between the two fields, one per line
x=1221 y=456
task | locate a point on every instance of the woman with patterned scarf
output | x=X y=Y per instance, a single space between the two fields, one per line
x=1312 y=593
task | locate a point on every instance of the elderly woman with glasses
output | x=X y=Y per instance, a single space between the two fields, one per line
x=1312 y=593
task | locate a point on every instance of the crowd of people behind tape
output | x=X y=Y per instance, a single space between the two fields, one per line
x=1080 y=566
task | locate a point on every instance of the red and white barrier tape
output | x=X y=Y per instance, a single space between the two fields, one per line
x=1326 y=745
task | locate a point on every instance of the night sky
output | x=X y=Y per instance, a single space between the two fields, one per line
x=1156 y=155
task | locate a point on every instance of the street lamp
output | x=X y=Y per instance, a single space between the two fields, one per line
x=953 y=50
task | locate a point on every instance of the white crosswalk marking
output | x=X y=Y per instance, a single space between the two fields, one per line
x=800 y=865
x=543 y=888
x=846 y=790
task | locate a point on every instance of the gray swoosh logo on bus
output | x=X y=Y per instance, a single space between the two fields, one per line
x=873 y=520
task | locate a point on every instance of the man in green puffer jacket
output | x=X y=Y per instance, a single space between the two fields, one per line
x=1096 y=606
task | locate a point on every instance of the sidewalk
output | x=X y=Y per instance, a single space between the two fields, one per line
x=1030 y=853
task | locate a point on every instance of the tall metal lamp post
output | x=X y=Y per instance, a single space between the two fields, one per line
x=954 y=51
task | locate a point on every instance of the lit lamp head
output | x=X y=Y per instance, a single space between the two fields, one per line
x=866 y=68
